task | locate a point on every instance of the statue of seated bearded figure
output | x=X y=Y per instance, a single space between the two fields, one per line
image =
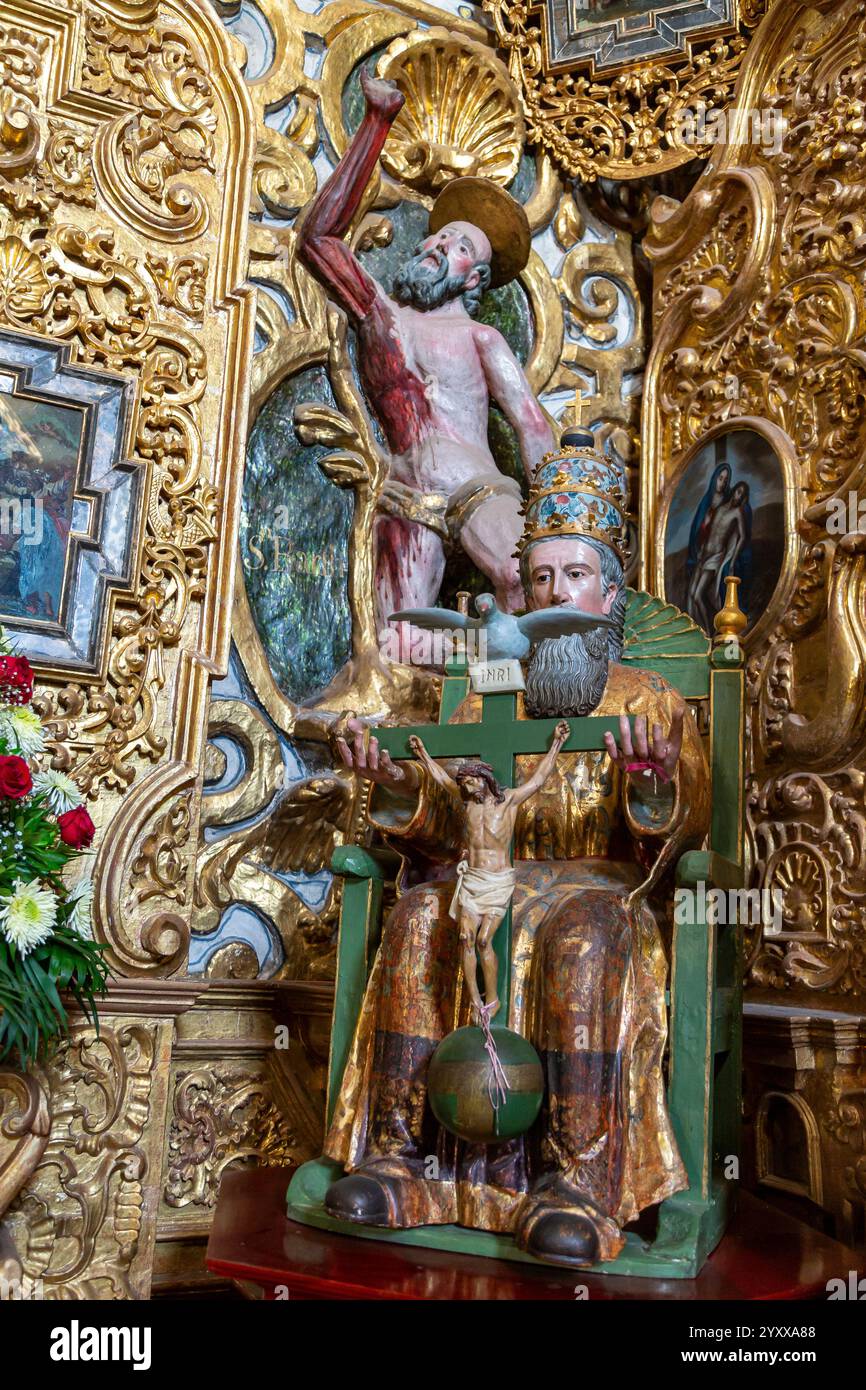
x=588 y=968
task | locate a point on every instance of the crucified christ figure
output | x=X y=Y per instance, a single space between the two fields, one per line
x=485 y=877
x=429 y=370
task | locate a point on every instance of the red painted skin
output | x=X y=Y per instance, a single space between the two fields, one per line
x=398 y=396
x=428 y=375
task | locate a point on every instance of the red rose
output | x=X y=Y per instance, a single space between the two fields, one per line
x=15 y=779
x=76 y=828
x=16 y=680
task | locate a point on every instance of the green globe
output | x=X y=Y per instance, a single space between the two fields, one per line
x=461 y=1086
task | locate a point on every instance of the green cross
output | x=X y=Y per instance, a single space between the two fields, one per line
x=498 y=739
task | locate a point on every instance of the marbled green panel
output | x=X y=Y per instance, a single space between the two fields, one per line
x=522 y=185
x=294 y=544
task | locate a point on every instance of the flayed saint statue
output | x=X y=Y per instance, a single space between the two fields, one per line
x=593 y=842
x=429 y=369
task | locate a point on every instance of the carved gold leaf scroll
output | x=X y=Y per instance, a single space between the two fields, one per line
x=80 y=1226
x=125 y=162
x=25 y=1123
x=759 y=281
x=628 y=122
x=222 y=1113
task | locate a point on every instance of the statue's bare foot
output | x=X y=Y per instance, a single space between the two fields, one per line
x=382 y=97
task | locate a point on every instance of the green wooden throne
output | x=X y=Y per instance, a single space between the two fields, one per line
x=704 y=1063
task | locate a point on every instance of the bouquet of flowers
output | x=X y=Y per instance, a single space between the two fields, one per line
x=45 y=938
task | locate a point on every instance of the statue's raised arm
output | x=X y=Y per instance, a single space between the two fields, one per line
x=429 y=371
x=320 y=239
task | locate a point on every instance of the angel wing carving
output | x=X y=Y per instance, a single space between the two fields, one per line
x=302 y=832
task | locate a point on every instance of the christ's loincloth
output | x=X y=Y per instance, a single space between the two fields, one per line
x=482 y=891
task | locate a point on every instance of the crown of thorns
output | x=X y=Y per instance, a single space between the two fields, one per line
x=485 y=772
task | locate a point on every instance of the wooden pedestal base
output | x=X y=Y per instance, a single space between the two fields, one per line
x=763 y=1255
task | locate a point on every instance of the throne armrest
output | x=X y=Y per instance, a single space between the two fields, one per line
x=355 y=861
x=365 y=872
x=706 y=866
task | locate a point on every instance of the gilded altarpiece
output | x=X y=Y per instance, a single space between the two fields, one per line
x=759 y=323
x=146 y=149
x=306 y=645
x=126 y=145
x=144 y=180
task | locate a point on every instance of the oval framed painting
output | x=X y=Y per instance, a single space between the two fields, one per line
x=731 y=510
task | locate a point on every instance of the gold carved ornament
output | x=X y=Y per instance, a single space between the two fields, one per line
x=761 y=324
x=79 y=1225
x=223 y=1113
x=121 y=219
x=624 y=122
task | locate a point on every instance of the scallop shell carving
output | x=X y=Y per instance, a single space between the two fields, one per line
x=460 y=116
x=23 y=283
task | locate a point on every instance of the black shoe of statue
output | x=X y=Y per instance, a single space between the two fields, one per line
x=564 y=1238
x=358 y=1198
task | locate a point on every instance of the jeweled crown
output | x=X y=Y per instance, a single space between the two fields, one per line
x=577 y=491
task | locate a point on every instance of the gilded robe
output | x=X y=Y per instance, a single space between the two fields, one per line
x=588 y=979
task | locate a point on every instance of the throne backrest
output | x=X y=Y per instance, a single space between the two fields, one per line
x=661 y=638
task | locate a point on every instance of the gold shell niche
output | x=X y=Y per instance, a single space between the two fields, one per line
x=23 y=284
x=461 y=115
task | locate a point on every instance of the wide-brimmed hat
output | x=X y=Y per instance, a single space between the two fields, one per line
x=499 y=216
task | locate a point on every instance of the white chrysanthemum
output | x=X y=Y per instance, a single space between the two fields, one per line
x=22 y=730
x=5 y=644
x=81 y=900
x=60 y=790
x=27 y=914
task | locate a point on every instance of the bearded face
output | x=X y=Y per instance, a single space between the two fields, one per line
x=473 y=789
x=425 y=286
x=566 y=676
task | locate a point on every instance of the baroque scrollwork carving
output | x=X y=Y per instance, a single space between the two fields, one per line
x=78 y=1225
x=19 y=134
x=759 y=305
x=286 y=830
x=116 y=239
x=809 y=838
x=626 y=121
x=159 y=869
x=68 y=168
x=222 y=1114
x=126 y=151
x=161 y=73
x=21 y=59
x=181 y=283
x=25 y=1123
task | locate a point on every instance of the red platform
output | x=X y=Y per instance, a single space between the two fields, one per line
x=764 y=1255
